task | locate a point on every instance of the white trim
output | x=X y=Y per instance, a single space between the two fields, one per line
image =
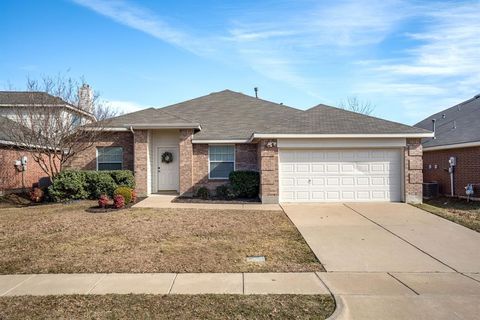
x=219 y=141
x=379 y=135
x=24 y=145
x=165 y=126
x=453 y=146
x=342 y=143
x=107 y=129
x=100 y=147
x=234 y=160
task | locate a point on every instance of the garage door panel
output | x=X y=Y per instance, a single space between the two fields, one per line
x=340 y=175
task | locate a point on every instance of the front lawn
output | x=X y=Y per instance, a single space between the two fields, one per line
x=61 y=238
x=457 y=210
x=167 y=307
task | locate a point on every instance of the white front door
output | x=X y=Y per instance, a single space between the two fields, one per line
x=340 y=175
x=167 y=173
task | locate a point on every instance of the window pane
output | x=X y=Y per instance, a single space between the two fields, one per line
x=220 y=169
x=221 y=153
x=110 y=154
x=109 y=166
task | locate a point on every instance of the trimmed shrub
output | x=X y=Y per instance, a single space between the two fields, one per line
x=118 y=201
x=68 y=185
x=103 y=201
x=123 y=178
x=37 y=195
x=245 y=184
x=126 y=192
x=203 y=193
x=98 y=183
x=225 y=192
x=73 y=184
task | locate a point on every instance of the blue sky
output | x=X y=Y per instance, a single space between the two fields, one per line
x=409 y=58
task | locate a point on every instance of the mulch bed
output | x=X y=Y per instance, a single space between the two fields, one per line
x=111 y=208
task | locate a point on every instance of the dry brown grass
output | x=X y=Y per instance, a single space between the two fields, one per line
x=65 y=239
x=168 y=307
x=457 y=210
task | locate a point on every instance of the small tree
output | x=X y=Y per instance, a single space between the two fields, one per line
x=354 y=104
x=51 y=126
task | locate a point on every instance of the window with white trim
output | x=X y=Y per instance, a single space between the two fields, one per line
x=109 y=158
x=221 y=160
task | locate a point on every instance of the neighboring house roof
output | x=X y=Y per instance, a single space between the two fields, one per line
x=36 y=98
x=457 y=125
x=7 y=124
x=233 y=116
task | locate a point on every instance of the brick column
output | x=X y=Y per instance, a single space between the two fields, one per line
x=186 y=162
x=140 y=160
x=268 y=166
x=413 y=171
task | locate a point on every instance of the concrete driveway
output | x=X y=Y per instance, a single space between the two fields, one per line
x=392 y=260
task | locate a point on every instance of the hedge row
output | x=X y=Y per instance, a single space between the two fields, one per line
x=74 y=185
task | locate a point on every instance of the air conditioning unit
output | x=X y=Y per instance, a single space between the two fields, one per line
x=430 y=190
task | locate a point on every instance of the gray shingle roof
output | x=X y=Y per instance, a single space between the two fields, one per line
x=457 y=124
x=323 y=119
x=150 y=117
x=28 y=97
x=6 y=125
x=228 y=115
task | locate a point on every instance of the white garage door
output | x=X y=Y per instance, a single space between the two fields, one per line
x=340 y=175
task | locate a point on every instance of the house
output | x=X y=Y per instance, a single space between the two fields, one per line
x=457 y=135
x=321 y=154
x=22 y=108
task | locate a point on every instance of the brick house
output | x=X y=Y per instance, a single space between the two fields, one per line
x=320 y=154
x=456 y=135
x=17 y=107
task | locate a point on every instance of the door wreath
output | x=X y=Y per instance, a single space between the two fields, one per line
x=167 y=157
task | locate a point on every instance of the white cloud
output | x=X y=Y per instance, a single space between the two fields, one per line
x=145 y=21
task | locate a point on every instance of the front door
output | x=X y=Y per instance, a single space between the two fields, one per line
x=167 y=173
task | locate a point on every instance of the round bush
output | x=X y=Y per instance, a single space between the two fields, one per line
x=118 y=201
x=126 y=192
x=98 y=183
x=203 y=193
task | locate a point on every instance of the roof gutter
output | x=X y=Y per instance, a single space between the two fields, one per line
x=453 y=146
x=221 y=141
x=340 y=136
x=130 y=127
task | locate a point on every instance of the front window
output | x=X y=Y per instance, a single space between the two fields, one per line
x=109 y=158
x=221 y=161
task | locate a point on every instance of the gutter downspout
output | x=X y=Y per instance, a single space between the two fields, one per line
x=133 y=149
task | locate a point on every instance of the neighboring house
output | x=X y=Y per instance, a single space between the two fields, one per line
x=17 y=108
x=457 y=134
x=321 y=154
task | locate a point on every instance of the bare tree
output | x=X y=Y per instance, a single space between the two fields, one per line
x=62 y=118
x=354 y=104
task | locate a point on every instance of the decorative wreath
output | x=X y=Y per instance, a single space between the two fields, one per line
x=167 y=157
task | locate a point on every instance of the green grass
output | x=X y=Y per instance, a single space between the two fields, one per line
x=167 y=307
x=457 y=210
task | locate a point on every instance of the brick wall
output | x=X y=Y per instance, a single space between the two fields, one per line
x=87 y=159
x=186 y=162
x=245 y=159
x=268 y=166
x=140 y=144
x=467 y=169
x=413 y=171
x=11 y=178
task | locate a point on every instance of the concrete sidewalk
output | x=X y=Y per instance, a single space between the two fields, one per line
x=166 y=201
x=162 y=283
